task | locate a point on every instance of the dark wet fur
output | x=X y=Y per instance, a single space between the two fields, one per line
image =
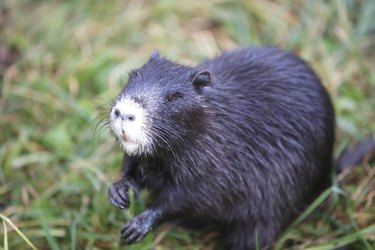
x=245 y=149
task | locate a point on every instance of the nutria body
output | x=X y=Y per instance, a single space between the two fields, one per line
x=243 y=141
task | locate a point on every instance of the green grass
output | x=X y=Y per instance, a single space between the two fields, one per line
x=55 y=166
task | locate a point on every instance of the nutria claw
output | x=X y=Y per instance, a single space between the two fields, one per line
x=118 y=194
x=135 y=230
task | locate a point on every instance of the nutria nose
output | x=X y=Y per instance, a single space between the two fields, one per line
x=117 y=113
x=130 y=117
x=126 y=117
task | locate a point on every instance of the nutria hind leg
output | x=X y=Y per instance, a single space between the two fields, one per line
x=191 y=223
x=247 y=238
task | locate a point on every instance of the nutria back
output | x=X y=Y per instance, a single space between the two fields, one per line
x=243 y=141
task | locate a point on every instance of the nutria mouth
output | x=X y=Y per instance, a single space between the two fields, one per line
x=123 y=136
x=126 y=139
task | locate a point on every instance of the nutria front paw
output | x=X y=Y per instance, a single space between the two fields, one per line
x=135 y=230
x=118 y=194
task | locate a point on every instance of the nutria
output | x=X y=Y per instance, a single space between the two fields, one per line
x=243 y=141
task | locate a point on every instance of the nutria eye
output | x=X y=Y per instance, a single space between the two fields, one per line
x=171 y=98
x=174 y=96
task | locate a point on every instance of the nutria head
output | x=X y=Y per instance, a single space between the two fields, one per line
x=160 y=108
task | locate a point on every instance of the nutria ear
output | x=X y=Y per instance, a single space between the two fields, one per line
x=155 y=55
x=202 y=79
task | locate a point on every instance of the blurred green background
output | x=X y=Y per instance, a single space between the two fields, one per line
x=62 y=62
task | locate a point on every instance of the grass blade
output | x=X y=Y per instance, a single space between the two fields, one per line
x=303 y=216
x=6 y=219
x=343 y=241
x=5 y=235
x=73 y=234
x=51 y=240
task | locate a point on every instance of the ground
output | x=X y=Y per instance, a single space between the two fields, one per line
x=62 y=62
